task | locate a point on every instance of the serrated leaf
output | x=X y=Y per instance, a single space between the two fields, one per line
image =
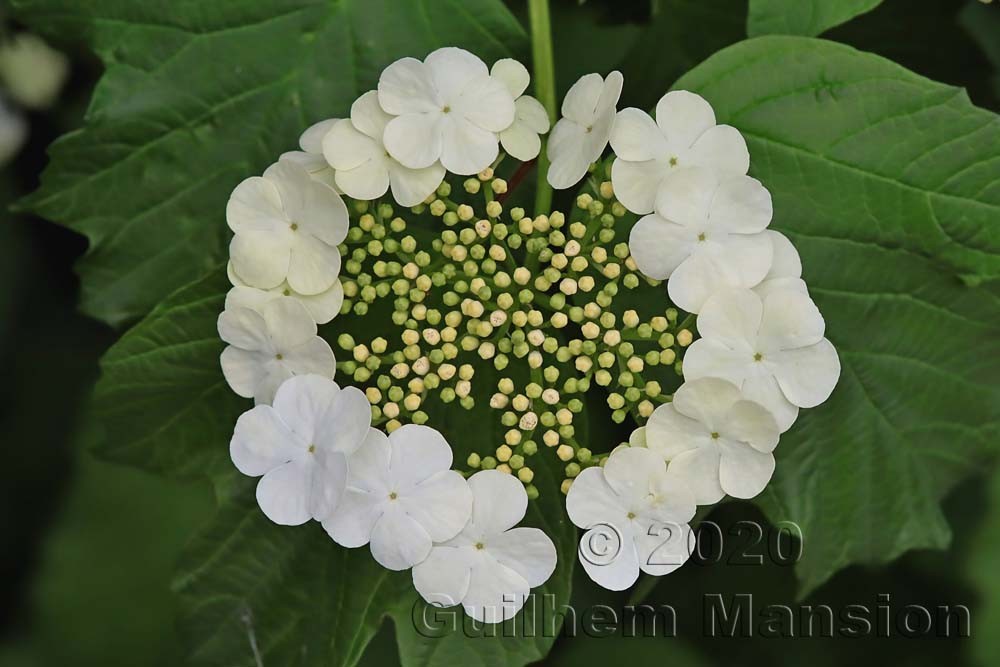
x=802 y=17
x=197 y=96
x=887 y=184
x=162 y=400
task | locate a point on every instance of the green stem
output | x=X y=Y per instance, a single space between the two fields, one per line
x=545 y=89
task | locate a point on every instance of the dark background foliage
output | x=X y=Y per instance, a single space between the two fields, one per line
x=88 y=547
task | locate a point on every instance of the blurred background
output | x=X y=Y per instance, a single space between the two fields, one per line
x=88 y=547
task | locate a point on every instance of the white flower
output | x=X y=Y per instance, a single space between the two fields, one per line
x=490 y=567
x=636 y=514
x=401 y=497
x=705 y=235
x=582 y=134
x=786 y=267
x=287 y=227
x=323 y=307
x=364 y=169
x=13 y=131
x=270 y=344
x=32 y=71
x=772 y=348
x=300 y=446
x=311 y=157
x=715 y=440
x=521 y=139
x=448 y=108
x=684 y=135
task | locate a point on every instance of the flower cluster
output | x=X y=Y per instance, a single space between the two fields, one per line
x=542 y=308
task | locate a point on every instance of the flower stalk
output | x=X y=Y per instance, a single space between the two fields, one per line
x=545 y=88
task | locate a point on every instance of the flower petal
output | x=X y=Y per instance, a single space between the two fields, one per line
x=668 y=432
x=466 y=148
x=275 y=374
x=707 y=357
x=658 y=246
x=354 y=519
x=636 y=138
x=345 y=424
x=314 y=265
x=415 y=139
x=741 y=205
x=346 y=147
x=790 y=320
x=567 y=154
x=368 y=117
x=764 y=390
x=521 y=142
x=496 y=593
x=369 y=465
x=591 y=500
x=314 y=356
x=721 y=148
x=751 y=423
x=283 y=494
x=302 y=401
x=662 y=547
x=288 y=323
x=418 y=452
x=443 y=578
x=324 y=306
x=699 y=470
x=407 y=86
x=254 y=203
x=262 y=441
x=412 y=186
x=499 y=502
x=683 y=117
x=785 y=261
x=707 y=400
x=442 y=504
x=613 y=573
x=244 y=328
x=636 y=183
x=398 y=541
x=527 y=551
x=732 y=317
x=311 y=140
x=532 y=114
x=629 y=471
x=329 y=480
x=686 y=195
x=315 y=208
x=744 y=471
x=453 y=69
x=807 y=375
x=261 y=257
x=513 y=74
x=244 y=370
x=485 y=103
x=698 y=277
x=367 y=181
x=582 y=99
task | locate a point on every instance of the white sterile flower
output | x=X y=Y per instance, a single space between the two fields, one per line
x=581 y=135
x=323 y=307
x=521 y=139
x=13 y=131
x=684 y=135
x=287 y=227
x=364 y=170
x=448 y=108
x=772 y=348
x=786 y=267
x=635 y=513
x=705 y=235
x=491 y=566
x=311 y=157
x=32 y=71
x=268 y=345
x=401 y=497
x=300 y=445
x=715 y=440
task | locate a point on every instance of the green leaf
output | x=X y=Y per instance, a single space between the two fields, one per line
x=802 y=17
x=195 y=99
x=297 y=598
x=982 y=571
x=682 y=34
x=886 y=183
x=162 y=400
